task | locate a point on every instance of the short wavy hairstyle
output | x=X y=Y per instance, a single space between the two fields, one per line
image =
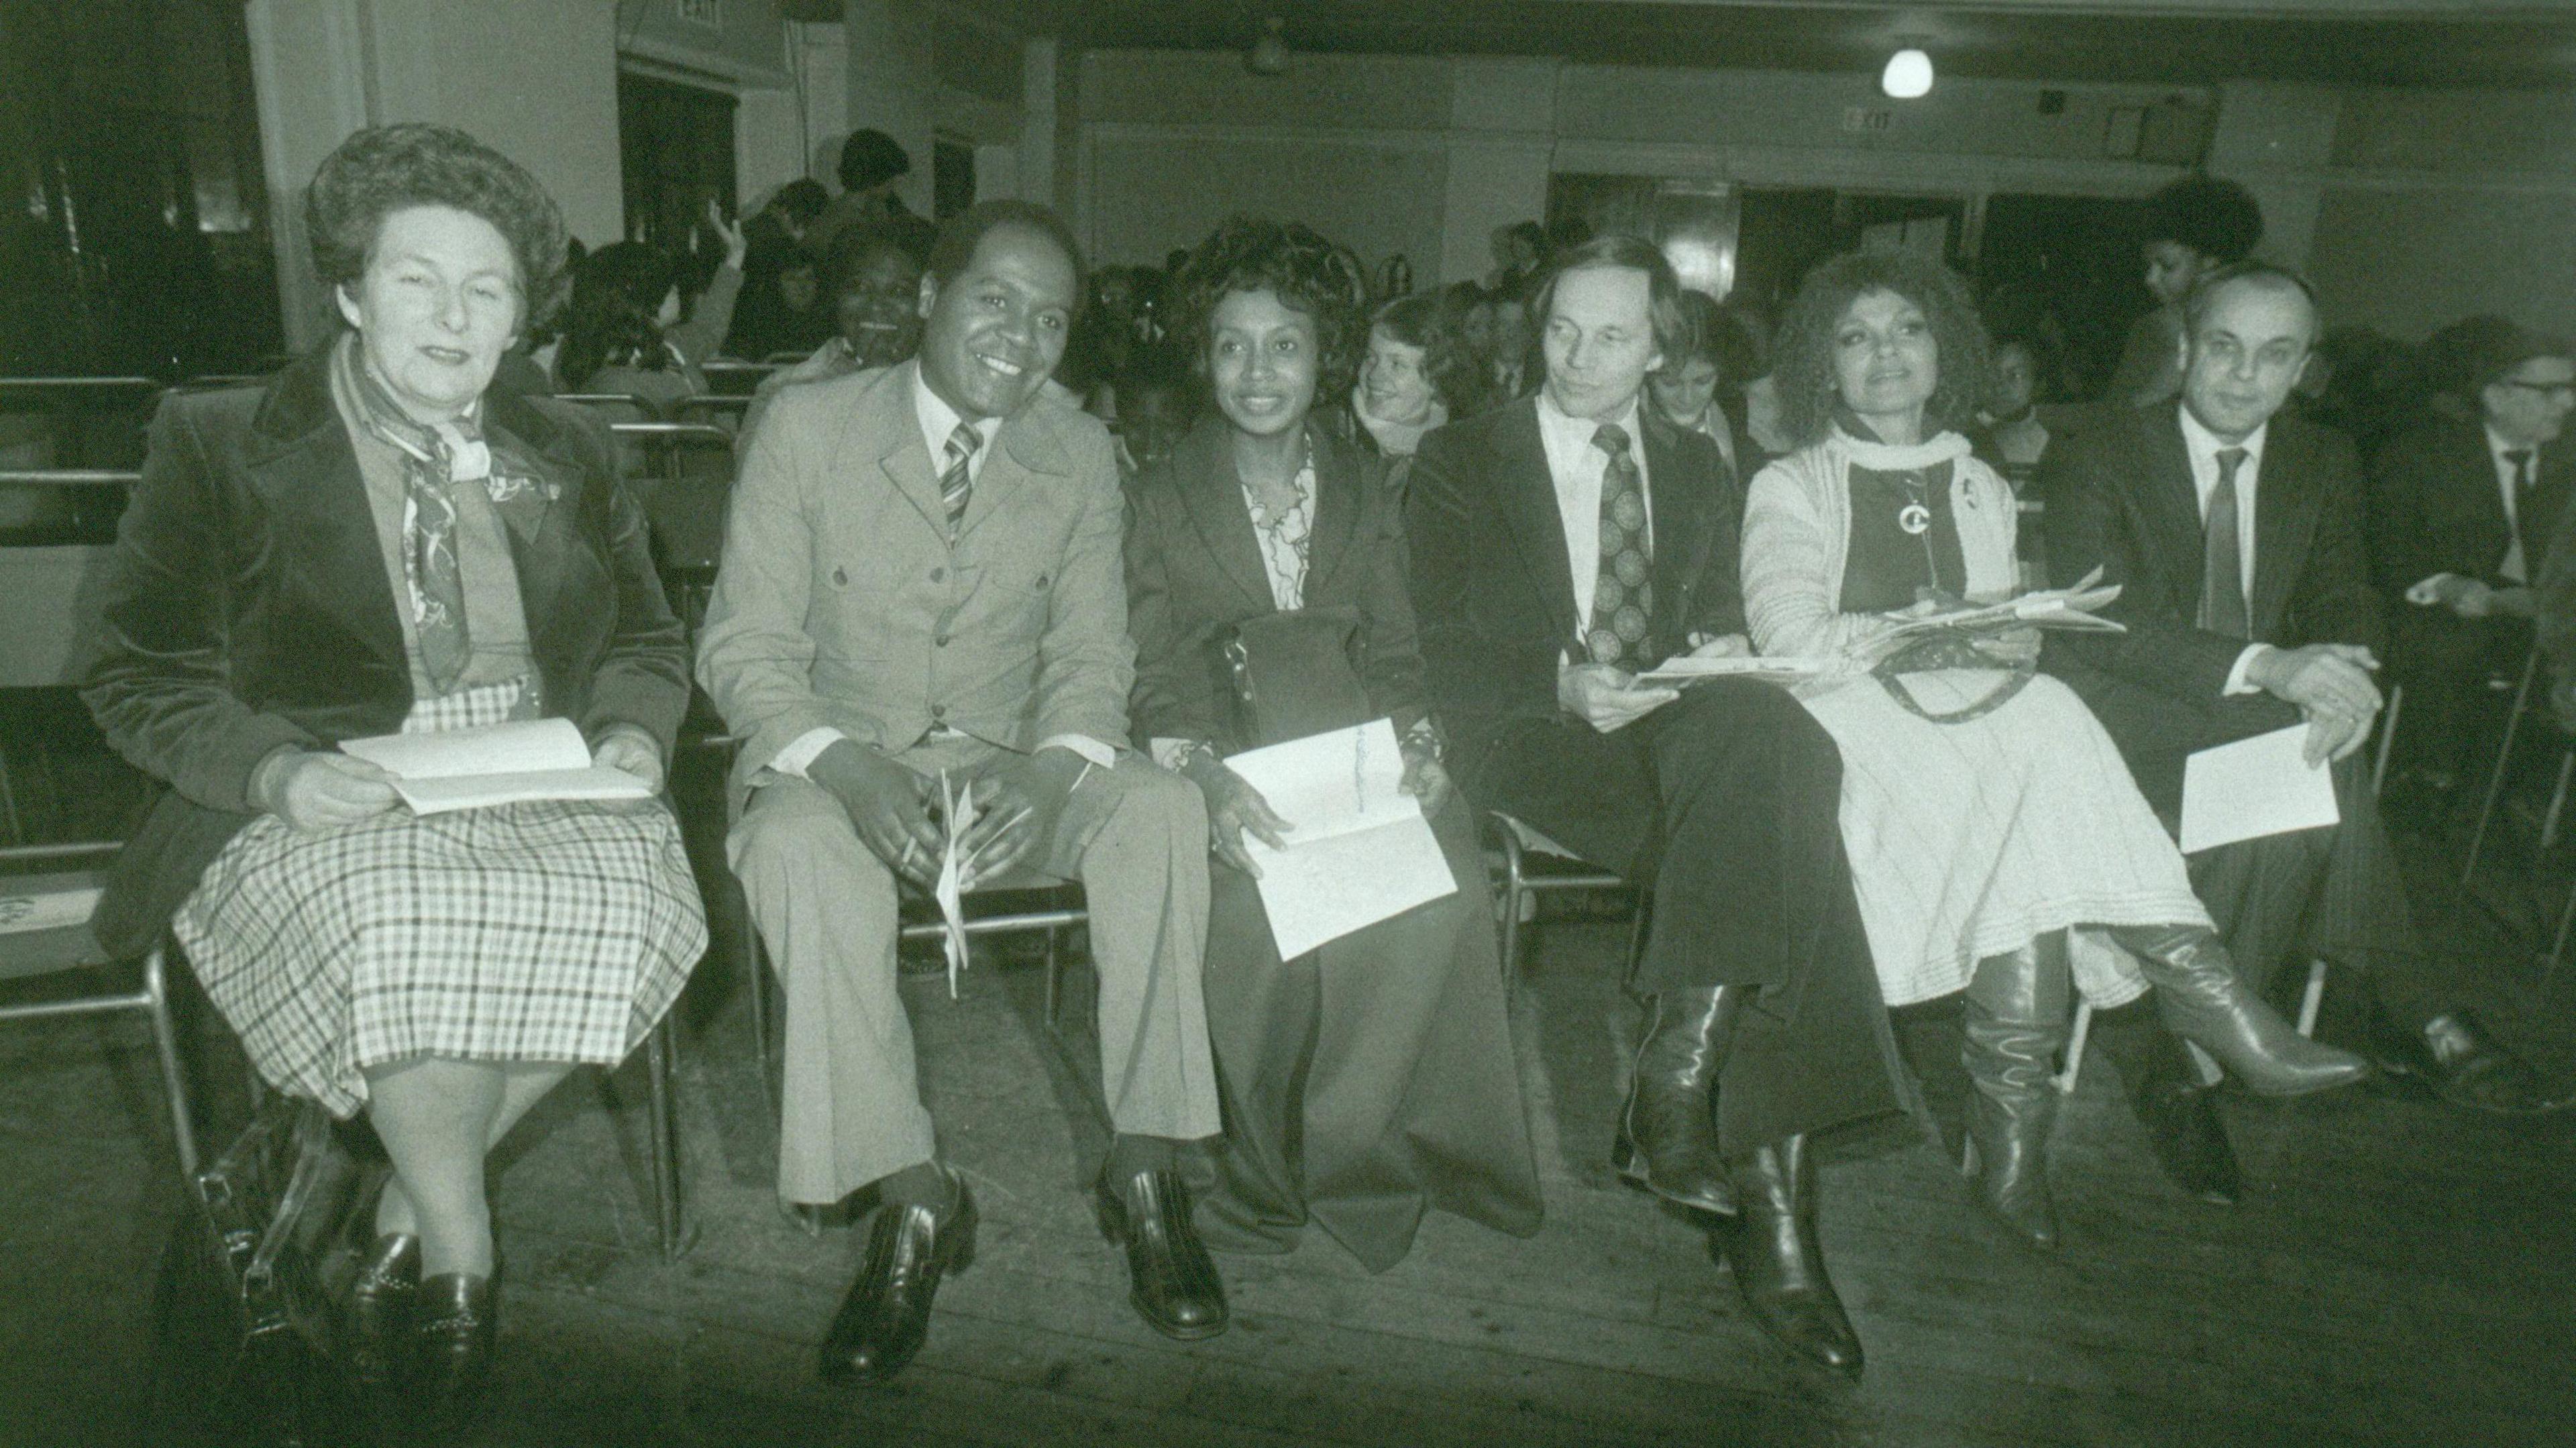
x=2217 y=218
x=1288 y=259
x=1673 y=330
x=1421 y=321
x=385 y=169
x=1803 y=357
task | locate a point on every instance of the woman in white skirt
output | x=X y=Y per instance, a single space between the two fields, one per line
x=368 y=544
x=1998 y=845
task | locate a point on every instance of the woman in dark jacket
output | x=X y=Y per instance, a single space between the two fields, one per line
x=373 y=543
x=1373 y=1078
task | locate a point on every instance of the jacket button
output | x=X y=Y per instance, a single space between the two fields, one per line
x=941 y=641
x=937 y=574
x=938 y=711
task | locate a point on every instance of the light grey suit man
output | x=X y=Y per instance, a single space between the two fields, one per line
x=922 y=573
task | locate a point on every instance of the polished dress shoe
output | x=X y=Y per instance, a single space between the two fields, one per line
x=2015 y=1020
x=2180 y=1116
x=383 y=1302
x=1778 y=1262
x=886 y=1316
x=1176 y=1289
x=2201 y=999
x=452 y=1337
x=2455 y=1058
x=1667 y=1141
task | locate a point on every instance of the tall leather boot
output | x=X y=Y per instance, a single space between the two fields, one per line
x=2201 y=999
x=1667 y=1142
x=1929 y=1041
x=2183 y=1128
x=1772 y=1249
x=2016 y=1020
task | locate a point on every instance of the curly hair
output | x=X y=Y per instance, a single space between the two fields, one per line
x=1803 y=357
x=2219 y=219
x=384 y=169
x=1419 y=321
x=616 y=296
x=1287 y=259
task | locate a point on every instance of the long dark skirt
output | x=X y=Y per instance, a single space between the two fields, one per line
x=1369 y=1081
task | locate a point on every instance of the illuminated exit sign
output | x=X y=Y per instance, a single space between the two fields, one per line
x=709 y=13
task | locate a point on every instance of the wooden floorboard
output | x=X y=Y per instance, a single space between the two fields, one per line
x=2399 y=1274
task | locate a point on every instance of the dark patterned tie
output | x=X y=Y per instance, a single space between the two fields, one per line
x=1623 y=597
x=957 y=481
x=2222 y=585
x=2526 y=476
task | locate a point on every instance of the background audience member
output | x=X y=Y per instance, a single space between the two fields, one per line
x=2461 y=508
x=2193 y=227
x=1414 y=378
x=1985 y=813
x=2236 y=537
x=773 y=308
x=870 y=163
x=1685 y=389
x=623 y=333
x=2010 y=438
x=875 y=298
x=1370 y=1081
x=440 y=973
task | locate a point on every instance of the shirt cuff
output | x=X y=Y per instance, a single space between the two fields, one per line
x=1093 y=752
x=2428 y=590
x=2237 y=683
x=800 y=755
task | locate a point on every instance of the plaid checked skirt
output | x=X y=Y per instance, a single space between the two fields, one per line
x=542 y=931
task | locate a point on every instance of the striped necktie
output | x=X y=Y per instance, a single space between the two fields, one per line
x=957 y=480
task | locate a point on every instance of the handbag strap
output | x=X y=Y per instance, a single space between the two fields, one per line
x=1948 y=651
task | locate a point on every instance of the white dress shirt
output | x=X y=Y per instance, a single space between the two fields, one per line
x=938 y=421
x=1576 y=467
x=2203 y=447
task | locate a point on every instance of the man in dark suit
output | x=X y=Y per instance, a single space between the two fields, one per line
x=2461 y=509
x=1561 y=546
x=2236 y=536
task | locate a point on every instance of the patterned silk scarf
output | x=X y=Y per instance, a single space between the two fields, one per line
x=434 y=459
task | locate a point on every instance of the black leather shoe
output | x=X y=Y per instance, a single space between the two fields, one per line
x=886 y=1316
x=452 y=1341
x=1176 y=1289
x=2459 y=1062
x=383 y=1303
x=1667 y=1141
x=1778 y=1262
x=2189 y=1140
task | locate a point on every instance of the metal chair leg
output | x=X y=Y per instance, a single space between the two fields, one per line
x=1054 y=977
x=1515 y=891
x=174 y=1080
x=2312 y=999
x=2075 y=1040
x=2557 y=799
x=2387 y=737
x=2504 y=759
x=665 y=1145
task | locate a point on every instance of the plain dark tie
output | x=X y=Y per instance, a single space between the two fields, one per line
x=2526 y=476
x=2222 y=584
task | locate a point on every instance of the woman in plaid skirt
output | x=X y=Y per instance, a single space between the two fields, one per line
x=373 y=543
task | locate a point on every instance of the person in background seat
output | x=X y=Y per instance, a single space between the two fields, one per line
x=623 y=333
x=2193 y=227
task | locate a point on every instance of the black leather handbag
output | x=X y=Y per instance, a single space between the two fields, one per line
x=246 y=1348
x=1299 y=673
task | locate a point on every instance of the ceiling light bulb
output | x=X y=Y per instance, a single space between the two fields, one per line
x=1270 y=53
x=1908 y=75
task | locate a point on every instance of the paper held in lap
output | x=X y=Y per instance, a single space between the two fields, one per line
x=524 y=759
x=1359 y=850
x=2078 y=608
x=2252 y=788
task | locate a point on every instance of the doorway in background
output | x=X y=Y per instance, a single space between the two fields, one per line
x=675 y=149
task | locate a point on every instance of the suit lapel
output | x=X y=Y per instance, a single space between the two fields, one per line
x=2173 y=505
x=2285 y=519
x=302 y=462
x=1525 y=493
x=541 y=545
x=1677 y=503
x=1338 y=505
x=888 y=422
x=1213 y=496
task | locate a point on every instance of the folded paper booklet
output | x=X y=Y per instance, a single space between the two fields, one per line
x=1359 y=849
x=2076 y=608
x=1682 y=672
x=496 y=764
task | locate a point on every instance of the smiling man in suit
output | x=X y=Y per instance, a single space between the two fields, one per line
x=2236 y=535
x=2461 y=510
x=1561 y=546
x=922 y=578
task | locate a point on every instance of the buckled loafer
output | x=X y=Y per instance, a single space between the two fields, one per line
x=2459 y=1062
x=886 y=1316
x=383 y=1302
x=452 y=1340
x=1176 y=1289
